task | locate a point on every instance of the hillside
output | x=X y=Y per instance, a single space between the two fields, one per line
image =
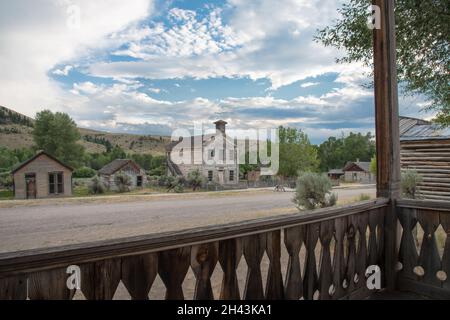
x=15 y=133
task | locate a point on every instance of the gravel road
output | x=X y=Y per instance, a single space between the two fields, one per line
x=37 y=226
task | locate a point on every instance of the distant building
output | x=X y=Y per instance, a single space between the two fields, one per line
x=214 y=155
x=335 y=174
x=425 y=148
x=42 y=176
x=358 y=171
x=109 y=172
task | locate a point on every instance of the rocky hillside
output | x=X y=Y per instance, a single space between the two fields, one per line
x=15 y=132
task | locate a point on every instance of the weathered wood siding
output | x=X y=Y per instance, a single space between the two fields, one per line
x=129 y=170
x=431 y=159
x=42 y=166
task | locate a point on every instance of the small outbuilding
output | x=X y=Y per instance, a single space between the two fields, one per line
x=358 y=171
x=129 y=167
x=42 y=176
x=335 y=174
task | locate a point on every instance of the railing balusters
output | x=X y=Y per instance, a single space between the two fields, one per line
x=445 y=222
x=293 y=239
x=274 y=287
x=203 y=261
x=310 y=280
x=49 y=285
x=429 y=255
x=254 y=247
x=340 y=226
x=230 y=253
x=326 y=269
x=173 y=266
x=99 y=280
x=407 y=253
x=13 y=288
x=139 y=273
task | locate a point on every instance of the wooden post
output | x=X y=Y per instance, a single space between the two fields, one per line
x=387 y=129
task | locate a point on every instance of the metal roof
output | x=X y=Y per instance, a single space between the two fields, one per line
x=418 y=129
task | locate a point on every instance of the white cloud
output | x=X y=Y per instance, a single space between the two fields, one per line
x=309 y=84
x=262 y=39
x=64 y=71
x=35 y=38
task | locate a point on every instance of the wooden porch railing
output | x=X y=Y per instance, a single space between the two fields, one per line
x=424 y=250
x=338 y=245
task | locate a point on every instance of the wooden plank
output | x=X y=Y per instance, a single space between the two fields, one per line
x=173 y=266
x=325 y=266
x=424 y=204
x=340 y=227
x=49 y=285
x=387 y=127
x=230 y=253
x=13 y=288
x=351 y=249
x=254 y=247
x=14 y=263
x=423 y=289
x=310 y=280
x=204 y=258
x=429 y=255
x=445 y=222
x=408 y=254
x=293 y=240
x=274 y=287
x=139 y=273
x=99 y=280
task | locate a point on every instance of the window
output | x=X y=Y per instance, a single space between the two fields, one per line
x=139 y=181
x=55 y=183
x=212 y=154
x=210 y=175
x=231 y=175
x=231 y=154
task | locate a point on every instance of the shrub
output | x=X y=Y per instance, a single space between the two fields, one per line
x=314 y=191
x=410 y=180
x=84 y=172
x=123 y=182
x=364 y=197
x=96 y=186
x=6 y=181
x=195 y=179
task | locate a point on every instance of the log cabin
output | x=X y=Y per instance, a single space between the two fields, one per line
x=425 y=148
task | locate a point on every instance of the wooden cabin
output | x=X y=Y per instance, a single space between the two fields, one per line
x=425 y=148
x=126 y=166
x=358 y=171
x=42 y=176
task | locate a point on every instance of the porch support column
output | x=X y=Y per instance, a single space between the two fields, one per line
x=387 y=130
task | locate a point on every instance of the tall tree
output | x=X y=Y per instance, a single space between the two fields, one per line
x=423 y=51
x=335 y=152
x=297 y=154
x=57 y=134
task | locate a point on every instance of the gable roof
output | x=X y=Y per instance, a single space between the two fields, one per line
x=418 y=129
x=364 y=166
x=196 y=141
x=116 y=165
x=37 y=155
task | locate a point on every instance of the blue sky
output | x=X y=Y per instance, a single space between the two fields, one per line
x=150 y=67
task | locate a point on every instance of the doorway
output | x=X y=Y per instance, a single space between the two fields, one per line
x=30 y=183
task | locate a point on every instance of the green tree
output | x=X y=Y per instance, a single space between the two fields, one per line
x=117 y=153
x=423 y=51
x=57 y=134
x=373 y=165
x=336 y=152
x=296 y=153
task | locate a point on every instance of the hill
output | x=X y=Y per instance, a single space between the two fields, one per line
x=16 y=132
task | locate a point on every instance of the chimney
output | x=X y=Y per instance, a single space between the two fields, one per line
x=220 y=126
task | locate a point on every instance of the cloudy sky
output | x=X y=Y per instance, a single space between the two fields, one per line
x=151 y=66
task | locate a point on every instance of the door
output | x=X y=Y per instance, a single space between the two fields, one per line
x=30 y=183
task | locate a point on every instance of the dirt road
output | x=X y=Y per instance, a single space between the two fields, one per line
x=28 y=227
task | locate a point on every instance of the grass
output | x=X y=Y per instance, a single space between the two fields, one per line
x=6 y=195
